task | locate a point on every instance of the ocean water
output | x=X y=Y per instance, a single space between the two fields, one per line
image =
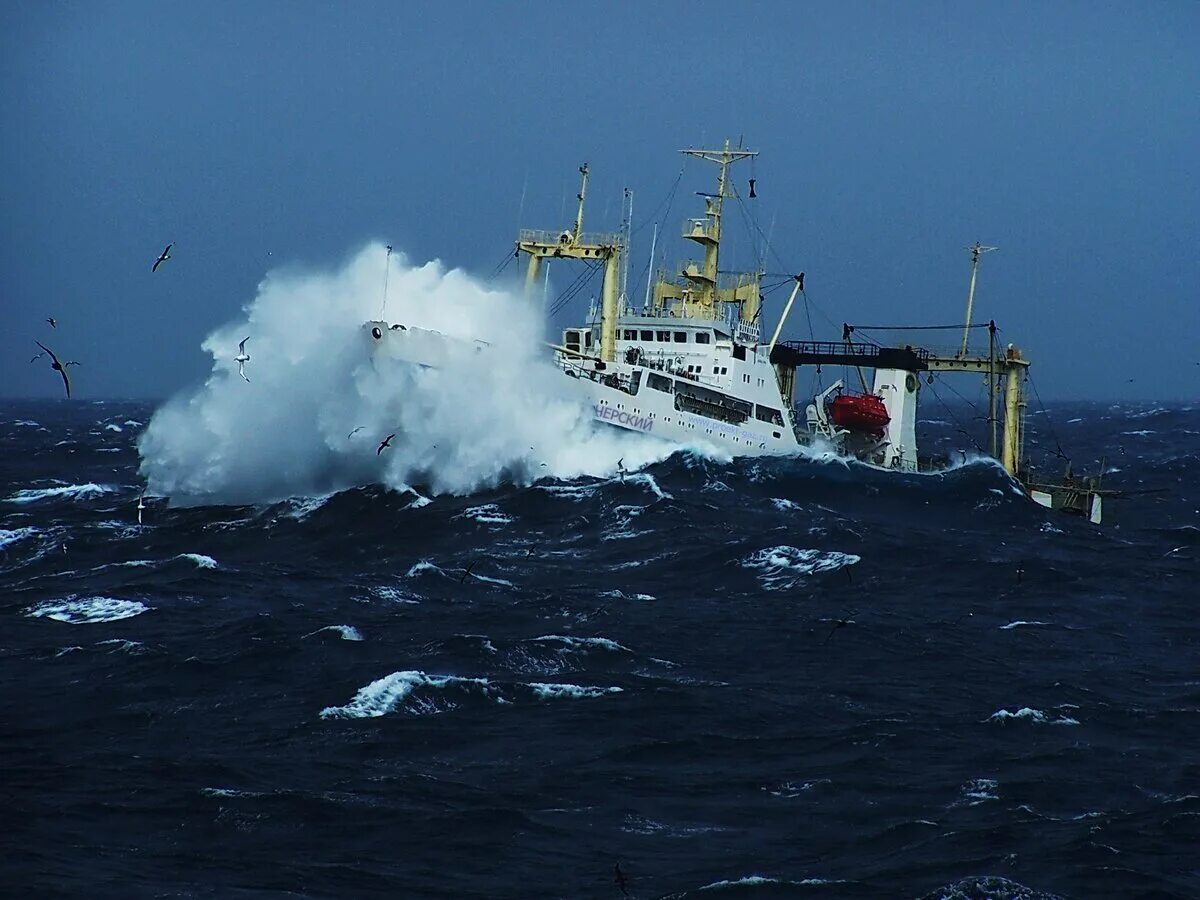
x=747 y=678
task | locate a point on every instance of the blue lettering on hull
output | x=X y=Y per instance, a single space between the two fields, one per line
x=620 y=417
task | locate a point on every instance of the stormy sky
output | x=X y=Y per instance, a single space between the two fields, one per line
x=265 y=136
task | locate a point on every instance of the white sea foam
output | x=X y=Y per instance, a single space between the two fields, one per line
x=69 y=491
x=461 y=426
x=87 y=611
x=382 y=696
x=487 y=514
x=423 y=566
x=490 y=580
x=111 y=427
x=202 y=561
x=347 y=632
x=391 y=594
x=584 y=643
x=782 y=566
x=120 y=645
x=574 y=691
x=758 y=880
x=783 y=505
x=1032 y=715
x=1019 y=623
x=300 y=508
x=15 y=535
x=978 y=790
x=27 y=423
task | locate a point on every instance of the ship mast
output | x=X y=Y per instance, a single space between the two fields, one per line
x=976 y=251
x=707 y=232
x=606 y=248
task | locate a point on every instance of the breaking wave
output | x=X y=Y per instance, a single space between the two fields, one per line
x=317 y=404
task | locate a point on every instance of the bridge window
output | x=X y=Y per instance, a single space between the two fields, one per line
x=647 y=335
x=630 y=334
x=663 y=335
x=681 y=337
x=703 y=337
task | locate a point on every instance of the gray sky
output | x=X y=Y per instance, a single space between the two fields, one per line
x=259 y=134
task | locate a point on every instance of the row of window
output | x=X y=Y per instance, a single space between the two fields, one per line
x=678 y=337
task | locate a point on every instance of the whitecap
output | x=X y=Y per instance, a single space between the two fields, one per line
x=19 y=534
x=111 y=427
x=781 y=565
x=120 y=645
x=1033 y=715
x=487 y=514
x=1021 y=622
x=383 y=695
x=88 y=610
x=489 y=580
x=978 y=790
x=583 y=643
x=27 y=423
x=347 y=632
x=391 y=594
x=70 y=491
x=783 y=505
x=132 y=422
x=202 y=561
x=647 y=479
x=300 y=508
x=575 y=691
x=423 y=566
x=228 y=792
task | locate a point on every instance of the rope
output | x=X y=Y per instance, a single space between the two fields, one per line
x=1049 y=422
x=950 y=413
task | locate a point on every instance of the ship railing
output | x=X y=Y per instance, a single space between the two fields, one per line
x=566 y=237
x=700 y=228
x=842 y=348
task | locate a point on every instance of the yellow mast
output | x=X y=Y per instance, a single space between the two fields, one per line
x=577 y=245
x=700 y=293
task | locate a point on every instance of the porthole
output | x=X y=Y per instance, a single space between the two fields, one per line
x=376 y=333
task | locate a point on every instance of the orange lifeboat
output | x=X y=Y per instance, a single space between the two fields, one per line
x=859 y=412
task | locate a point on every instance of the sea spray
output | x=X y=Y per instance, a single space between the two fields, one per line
x=488 y=414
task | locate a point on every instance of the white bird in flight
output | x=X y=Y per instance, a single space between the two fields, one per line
x=242 y=358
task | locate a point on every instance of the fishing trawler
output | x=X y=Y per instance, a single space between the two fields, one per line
x=690 y=366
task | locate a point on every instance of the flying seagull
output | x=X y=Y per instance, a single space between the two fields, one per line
x=837 y=623
x=163 y=257
x=53 y=323
x=355 y=431
x=58 y=367
x=386 y=442
x=242 y=358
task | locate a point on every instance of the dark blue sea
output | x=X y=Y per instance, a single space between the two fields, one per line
x=507 y=694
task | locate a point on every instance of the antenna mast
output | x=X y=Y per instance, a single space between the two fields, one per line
x=976 y=251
